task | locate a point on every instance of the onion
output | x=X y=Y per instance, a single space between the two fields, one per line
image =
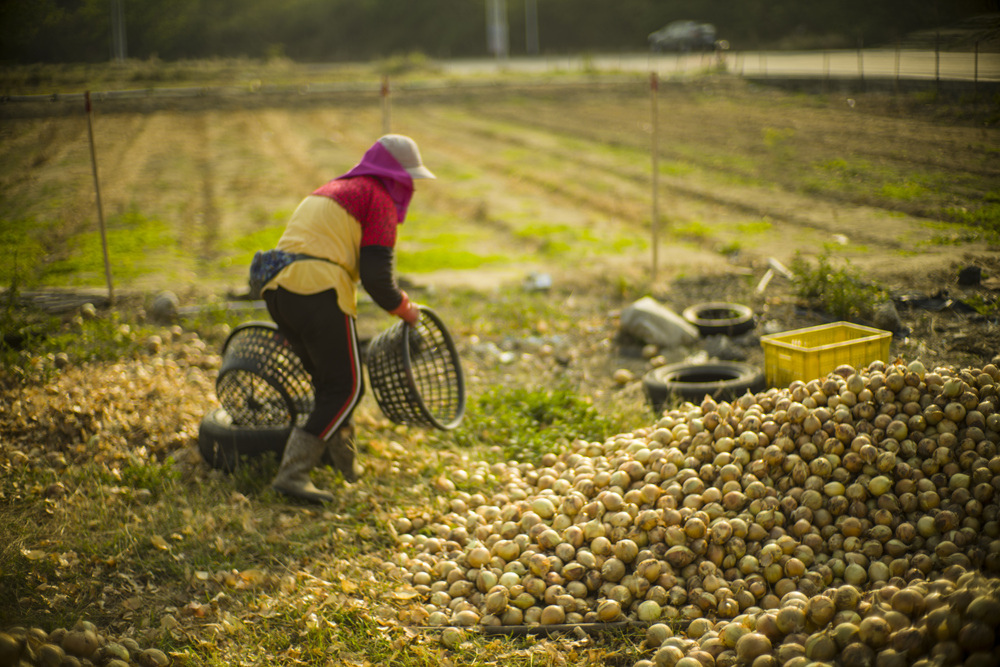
x=820 y=647
x=539 y=564
x=976 y=636
x=613 y=569
x=466 y=618
x=657 y=633
x=790 y=620
x=750 y=646
x=858 y=654
x=548 y=539
x=846 y=597
x=845 y=634
x=909 y=642
x=667 y=656
x=891 y=658
x=874 y=631
x=954 y=412
x=648 y=611
x=452 y=637
x=732 y=633
x=608 y=610
x=552 y=615
x=478 y=556
x=496 y=599
x=820 y=610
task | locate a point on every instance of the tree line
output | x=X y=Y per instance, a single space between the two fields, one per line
x=66 y=31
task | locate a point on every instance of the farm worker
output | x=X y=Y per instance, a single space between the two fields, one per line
x=341 y=234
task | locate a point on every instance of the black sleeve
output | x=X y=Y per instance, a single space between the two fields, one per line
x=377 y=277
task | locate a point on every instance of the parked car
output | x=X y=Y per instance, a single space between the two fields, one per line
x=683 y=36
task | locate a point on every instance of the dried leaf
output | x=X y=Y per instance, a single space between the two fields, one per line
x=196 y=609
x=159 y=543
x=253 y=577
x=405 y=593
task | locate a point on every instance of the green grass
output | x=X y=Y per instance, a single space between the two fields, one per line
x=574 y=241
x=525 y=424
x=79 y=339
x=694 y=230
x=730 y=248
x=925 y=193
x=134 y=241
x=435 y=259
x=23 y=250
x=530 y=313
x=905 y=191
x=841 y=291
x=986 y=305
x=778 y=142
x=754 y=226
x=674 y=168
x=262 y=239
x=986 y=217
x=953 y=234
x=846 y=169
x=874 y=180
x=99 y=339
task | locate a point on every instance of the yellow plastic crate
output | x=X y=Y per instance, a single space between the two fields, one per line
x=813 y=352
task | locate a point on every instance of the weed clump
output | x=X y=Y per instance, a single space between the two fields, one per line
x=842 y=292
x=526 y=424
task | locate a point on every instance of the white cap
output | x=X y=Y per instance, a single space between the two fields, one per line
x=407 y=154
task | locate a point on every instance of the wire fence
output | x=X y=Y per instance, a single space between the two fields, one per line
x=896 y=65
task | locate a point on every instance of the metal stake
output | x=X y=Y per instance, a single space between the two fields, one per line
x=100 y=209
x=654 y=218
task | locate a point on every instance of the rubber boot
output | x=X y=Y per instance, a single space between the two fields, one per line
x=341 y=453
x=302 y=454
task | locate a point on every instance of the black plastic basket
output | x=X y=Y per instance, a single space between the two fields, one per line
x=262 y=382
x=416 y=375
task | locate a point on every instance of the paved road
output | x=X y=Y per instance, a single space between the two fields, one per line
x=868 y=63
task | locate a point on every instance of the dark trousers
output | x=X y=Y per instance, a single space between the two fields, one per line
x=326 y=339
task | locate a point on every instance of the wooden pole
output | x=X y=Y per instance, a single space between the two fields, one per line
x=861 y=60
x=386 y=108
x=937 y=61
x=100 y=209
x=975 y=73
x=895 y=84
x=826 y=71
x=655 y=215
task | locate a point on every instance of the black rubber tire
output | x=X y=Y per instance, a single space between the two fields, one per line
x=722 y=380
x=720 y=318
x=223 y=444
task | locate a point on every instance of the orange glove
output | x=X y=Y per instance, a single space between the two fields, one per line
x=408 y=311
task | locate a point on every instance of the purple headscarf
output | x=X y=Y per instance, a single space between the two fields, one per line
x=380 y=163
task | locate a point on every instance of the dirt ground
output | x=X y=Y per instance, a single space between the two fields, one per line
x=531 y=183
x=553 y=181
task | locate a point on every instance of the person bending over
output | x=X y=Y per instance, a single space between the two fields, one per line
x=341 y=234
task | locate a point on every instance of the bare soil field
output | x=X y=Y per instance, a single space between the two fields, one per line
x=532 y=178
